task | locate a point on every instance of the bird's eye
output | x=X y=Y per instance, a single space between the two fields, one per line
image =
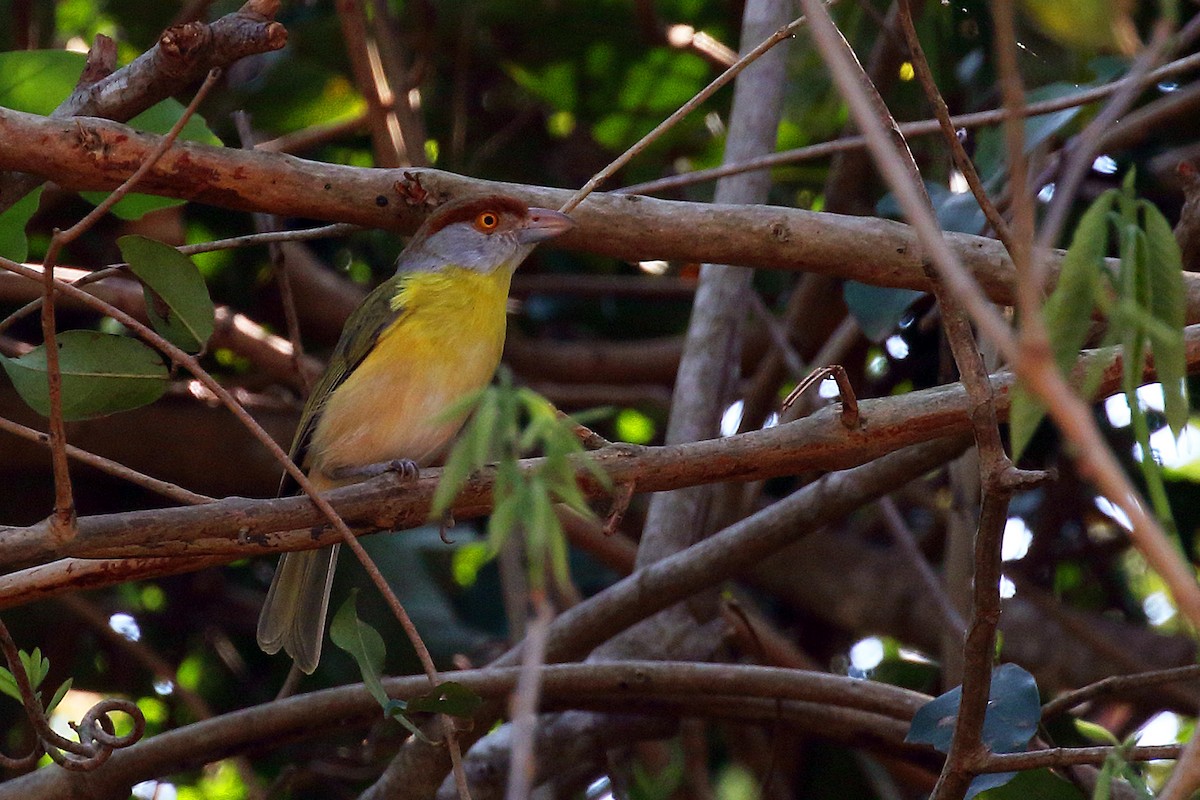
x=487 y=221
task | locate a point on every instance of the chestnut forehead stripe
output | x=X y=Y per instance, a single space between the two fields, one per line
x=467 y=210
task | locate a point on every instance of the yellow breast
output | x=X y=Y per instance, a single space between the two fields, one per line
x=446 y=344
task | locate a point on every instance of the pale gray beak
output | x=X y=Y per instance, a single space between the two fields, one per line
x=543 y=224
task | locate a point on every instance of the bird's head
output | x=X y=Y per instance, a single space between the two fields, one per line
x=481 y=233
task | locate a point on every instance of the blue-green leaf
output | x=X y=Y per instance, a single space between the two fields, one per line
x=878 y=309
x=1012 y=716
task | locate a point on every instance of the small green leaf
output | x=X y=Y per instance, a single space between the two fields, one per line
x=14 y=245
x=878 y=309
x=364 y=643
x=1096 y=733
x=8 y=684
x=101 y=374
x=1010 y=722
x=1012 y=717
x=448 y=698
x=1168 y=305
x=59 y=695
x=177 y=300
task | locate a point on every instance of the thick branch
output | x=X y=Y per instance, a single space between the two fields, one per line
x=238 y=527
x=94 y=154
x=183 y=55
x=564 y=686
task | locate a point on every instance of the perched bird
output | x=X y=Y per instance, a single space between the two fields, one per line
x=424 y=338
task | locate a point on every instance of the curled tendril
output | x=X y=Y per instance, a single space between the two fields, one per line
x=97 y=738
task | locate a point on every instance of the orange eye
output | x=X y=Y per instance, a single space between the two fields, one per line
x=487 y=221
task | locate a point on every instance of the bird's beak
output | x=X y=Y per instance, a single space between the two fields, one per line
x=543 y=224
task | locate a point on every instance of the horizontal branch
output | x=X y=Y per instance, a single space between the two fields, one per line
x=238 y=527
x=563 y=686
x=96 y=154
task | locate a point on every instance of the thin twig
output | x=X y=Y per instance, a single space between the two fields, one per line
x=114 y=468
x=725 y=77
x=906 y=541
x=270 y=223
x=64 y=503
x=1116 y=684
x=949 y=135
x=926 y=127
x=526 y=698
x=249 y=240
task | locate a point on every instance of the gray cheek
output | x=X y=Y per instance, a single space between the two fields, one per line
x=469 y=248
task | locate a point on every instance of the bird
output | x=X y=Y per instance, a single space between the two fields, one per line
x=425 y=338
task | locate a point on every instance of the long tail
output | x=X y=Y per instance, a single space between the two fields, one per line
x=293 y=616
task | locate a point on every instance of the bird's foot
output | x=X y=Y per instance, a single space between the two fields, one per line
x=406 y=468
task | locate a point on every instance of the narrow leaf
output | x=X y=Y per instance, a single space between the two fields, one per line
x=59 y=695
x=364 y=643
x=1068 y=312
x=1168 y=305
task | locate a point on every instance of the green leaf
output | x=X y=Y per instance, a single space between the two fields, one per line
x=1168 y=305
x=14 y=245
x=1034 y=784
x=1068 y=313
x=36 y=81
x=59 y=695
x=177 y=301
x=448 y=698
x=8 y=684
x=1095 y=732
x=101 y=374
x=362 y=642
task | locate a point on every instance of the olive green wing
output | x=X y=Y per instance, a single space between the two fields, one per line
x=362 y=330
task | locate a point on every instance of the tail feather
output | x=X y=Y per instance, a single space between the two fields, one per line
x=293 y=616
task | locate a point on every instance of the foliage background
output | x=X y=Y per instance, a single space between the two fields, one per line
x=545 y=94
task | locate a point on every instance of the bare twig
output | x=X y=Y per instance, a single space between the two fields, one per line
x=64 y=503
x=949 y=135
x=708 y=91
x=164 y=488
x=1117 y=684
x=526 y=698
x=908 y=546
x=927 y=127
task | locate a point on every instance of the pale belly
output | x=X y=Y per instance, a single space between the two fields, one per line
x=395 y=404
